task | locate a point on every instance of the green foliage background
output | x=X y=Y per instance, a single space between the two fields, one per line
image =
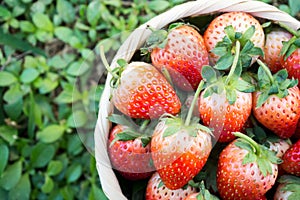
x=49 y=89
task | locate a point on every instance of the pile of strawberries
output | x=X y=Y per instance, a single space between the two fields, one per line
x=211 y=115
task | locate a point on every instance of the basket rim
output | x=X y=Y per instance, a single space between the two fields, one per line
x=259 y=9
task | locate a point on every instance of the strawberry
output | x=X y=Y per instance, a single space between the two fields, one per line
x=246 y=170
x=141 y=91
x=291 y=159
x=129 y=151
x=157 y=190
x=180 y=149
x=276 y=104
x=290 y=53
x=226 y=103
x=273 y=47
x=224 y=118
x=181 y=51
x=240 y=22
x=288 y=189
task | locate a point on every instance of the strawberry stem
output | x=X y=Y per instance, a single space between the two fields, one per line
x=144 y=125
x=289 y=29
x=105 y=62
x=167 y=75
x=267 y=70
x=235 y=62
x=250 y=140
x=190 y=113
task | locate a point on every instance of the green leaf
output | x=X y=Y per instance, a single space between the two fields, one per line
x=13 y=94
x=229 y=30
x=75 y=146
x=209 y=74
x=14 y=109
x=294 y=6
x=4 y=13
x=22 y=190
x=171 y=130
x=231 y=96
x=4 y=153
x=93 y=13
x=48 y=185
x=73 y=173
x=126 y=135
x=224 y=62
x=77 y=119
x=264 y=166
x=244 y=86
x=262 y=98
x=63 y=33
x=159 y=5
x=27 y=27
x=54 y=167
x=42 y=21
x=78 y=68
x=70 y=94
x=97 y=193
x=51 y=133
x=66 y=11
x=9 y=134
x=249 y=158
x=29 y=75
x=16 y=43
x=47 y=85
x=247 y=35
x=11 y=176
x=6 y=78
x=120 y=119
x=67 y=192
x=41 y=155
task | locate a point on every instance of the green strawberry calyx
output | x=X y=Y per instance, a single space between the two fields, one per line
x=257 y=153
x=132 y=130
x=268 y=84
x=203 y=194
x=226 y=49
x=291 y=184
x=292 y=45
x=190 y=123
x=216 y=82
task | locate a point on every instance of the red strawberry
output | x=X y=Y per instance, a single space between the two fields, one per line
x=292 y=64
x=277 y=103
x=128 y=154
x=288 y=189
x=182 y=52
x=291 y=159
x=141 y=91
x=216 y=112
x=273 y=47
x=240 y=22
x=180 y=149
x=157 y=190
x=290 y=53
x=246 y=170
x=226 y=103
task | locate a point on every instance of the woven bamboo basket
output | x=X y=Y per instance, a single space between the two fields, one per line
x=137 y=38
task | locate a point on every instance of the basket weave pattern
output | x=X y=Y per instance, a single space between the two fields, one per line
x=137 y=38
